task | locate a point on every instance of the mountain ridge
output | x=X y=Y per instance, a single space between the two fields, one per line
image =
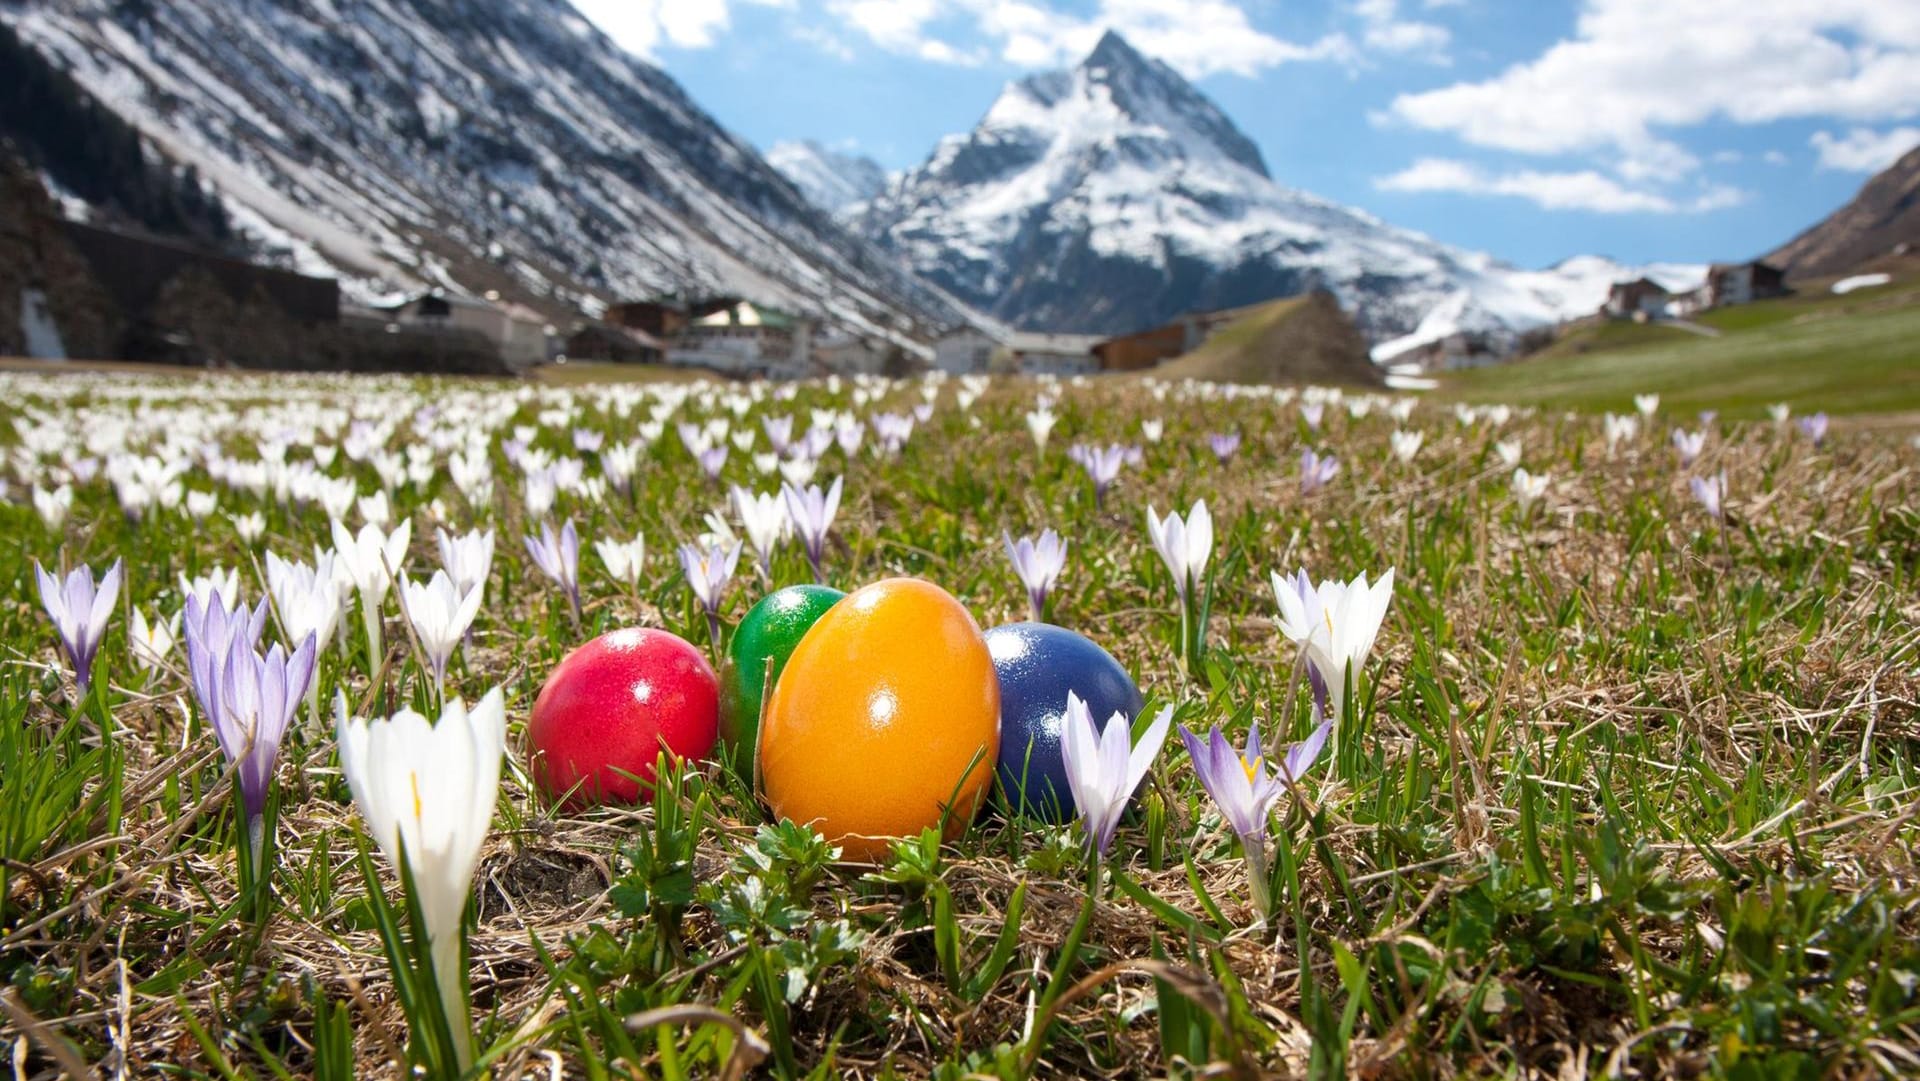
x=494 y=145
x=1115 y=195
x=1883 y=215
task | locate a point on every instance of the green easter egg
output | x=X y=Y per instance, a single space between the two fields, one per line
x=770 y=631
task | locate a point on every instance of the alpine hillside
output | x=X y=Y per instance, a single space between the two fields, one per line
x=1116 y=196
x=484 y=145
x=832 y=180
x=1882 y=220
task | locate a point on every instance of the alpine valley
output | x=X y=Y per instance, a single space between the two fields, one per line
x=485 y=145
x=509 y=146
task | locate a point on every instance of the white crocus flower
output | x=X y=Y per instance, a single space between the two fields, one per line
x=1184 y=546
x=624 y=559
x=764 y=518
x=1335 y=623
x=429 y=790
x=308 y=599
x=440 y=614
x=53 y=506
x=218 y=580
x=1040 y=423
x=1406 y=444
x=250 y=527
x=375 y=510
x=1529 y=488
x=1508 y=451
x=371 y=558
x=467 y=557
x=1647 y=404
x=153 y=642
x=201 y=504
x=1152 y=430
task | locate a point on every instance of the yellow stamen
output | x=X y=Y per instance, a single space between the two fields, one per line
x=1253 y=767
x=414 y=780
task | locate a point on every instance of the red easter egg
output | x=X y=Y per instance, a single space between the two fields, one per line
x=611 y=706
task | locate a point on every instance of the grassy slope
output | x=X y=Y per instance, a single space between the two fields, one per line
x=1299 y=339
x=1852 y=354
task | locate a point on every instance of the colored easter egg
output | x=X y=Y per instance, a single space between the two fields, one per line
x=886 y=717
x=1038 y=664
x=769 y=634
x=611 y=706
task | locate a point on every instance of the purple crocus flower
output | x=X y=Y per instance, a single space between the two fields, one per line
x=1311 y=413
x=249 y=699
x=779 y=433
x=923 y=412
x=894 y=429
x=256 y=701
x=558 y=557
x=812 y=512
x=708 y=571
x=80 y=610
x=818 y=441
x=1224 y=445
x=1244 y=790
x=1038 y=561
x=588 y=441
x=1101 y=769
x=211 y=631
x=1316 y=471
x=1102 y=464
x=1709 y=491
x=1815 y=428
x=1688 y=445
x=713 y=460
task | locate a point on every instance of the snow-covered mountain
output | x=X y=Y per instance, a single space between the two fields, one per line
x=478 y=145
x=1116 y=196
x=830 y=179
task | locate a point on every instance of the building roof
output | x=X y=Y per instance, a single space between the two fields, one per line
x=745 y=313
x=635 y=335
x=1027 y=341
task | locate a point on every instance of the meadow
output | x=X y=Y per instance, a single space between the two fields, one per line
x=1624 y=787
x=1847 y=354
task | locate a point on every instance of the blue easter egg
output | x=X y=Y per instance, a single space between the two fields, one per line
x=1038 y=664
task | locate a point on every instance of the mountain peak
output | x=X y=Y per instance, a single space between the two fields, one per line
x=1114 y=51
x=831 y=179
x=1154 y=96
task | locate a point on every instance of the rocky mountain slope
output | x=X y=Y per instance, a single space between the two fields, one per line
x=828 y=178
x=1115 y=196
x=1885 y=215
x=488 y=144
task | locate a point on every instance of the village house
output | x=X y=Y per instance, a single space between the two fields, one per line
x=1156 y=345
x=970 y=350
x=1031 y=353
x=964 y=350
x=521 y=334
x=1640 y=299
x=744 y=339
x=1743 y=283
x=614 y=343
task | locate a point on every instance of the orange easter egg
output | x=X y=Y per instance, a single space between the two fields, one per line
x=887 y=714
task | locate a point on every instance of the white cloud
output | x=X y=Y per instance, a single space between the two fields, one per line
x=1774 y=157
x=1863 y=150
x=1635 y=68
x=1197 y=37
x=1577 y=190
x=1385 y=31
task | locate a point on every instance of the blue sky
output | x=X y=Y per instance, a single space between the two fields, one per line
x=1687 y=130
